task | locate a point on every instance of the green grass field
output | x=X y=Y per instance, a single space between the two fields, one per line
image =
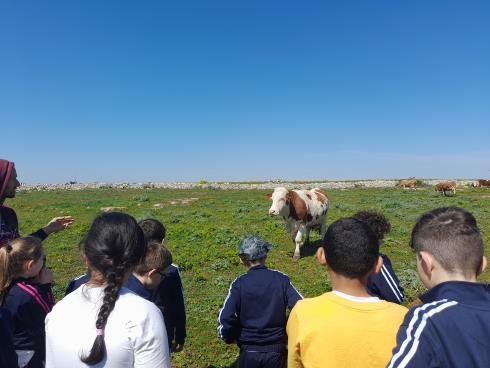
x=203 y=236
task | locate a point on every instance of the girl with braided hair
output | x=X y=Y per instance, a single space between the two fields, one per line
x=102 y=323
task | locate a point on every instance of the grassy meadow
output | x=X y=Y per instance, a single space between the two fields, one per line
x=203 y=235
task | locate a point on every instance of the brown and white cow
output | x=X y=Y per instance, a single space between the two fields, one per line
x=407 y=183
x=483 y=183
x=301 y=210
x=446 y=187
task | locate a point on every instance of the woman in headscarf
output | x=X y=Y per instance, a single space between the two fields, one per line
x=9 y=225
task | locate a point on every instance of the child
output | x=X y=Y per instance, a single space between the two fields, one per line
x=346 y=327
x=452 y=328
x=103 y=323
x=25 y=291
x=385 y=285
x=169 y=295
x=254 y=312
x=148 y=275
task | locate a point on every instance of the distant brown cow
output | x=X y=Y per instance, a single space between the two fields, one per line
x=446 y=187
x=407 y=183
x=483 y=183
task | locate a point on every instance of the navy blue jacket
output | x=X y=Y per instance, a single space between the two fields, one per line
x=452 y=328
x=8 y=357
x=28 y=304
x=254 y=311
x=138 y=288
x=76 y=282
x=169 y=297
x=385 y=285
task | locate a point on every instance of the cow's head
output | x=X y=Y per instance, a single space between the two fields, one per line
x=280 y=202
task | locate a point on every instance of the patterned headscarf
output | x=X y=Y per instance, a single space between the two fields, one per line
x=6 y=169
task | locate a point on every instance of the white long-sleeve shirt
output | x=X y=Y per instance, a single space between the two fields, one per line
x=134 y=335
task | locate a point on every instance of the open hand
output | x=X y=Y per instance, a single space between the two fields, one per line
x=58 y=224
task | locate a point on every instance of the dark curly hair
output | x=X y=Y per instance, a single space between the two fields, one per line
x=376 y=221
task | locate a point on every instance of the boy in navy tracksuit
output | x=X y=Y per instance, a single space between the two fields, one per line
x=385 y=284
x=452 y=327
x=146 y=277
x=169 y=295
x=254 y=312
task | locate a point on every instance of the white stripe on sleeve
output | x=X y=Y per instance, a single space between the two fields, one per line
x=410 y=328
x=220 y=325
x=384 y=272
x=419 y=330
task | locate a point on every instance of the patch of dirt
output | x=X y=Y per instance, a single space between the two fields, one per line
x=112 y=209
x=181 y=201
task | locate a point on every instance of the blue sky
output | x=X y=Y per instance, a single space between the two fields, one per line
x=244 y=90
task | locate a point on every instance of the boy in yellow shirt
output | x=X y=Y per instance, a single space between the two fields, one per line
x=346 y=327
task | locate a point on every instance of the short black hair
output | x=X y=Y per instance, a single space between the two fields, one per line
x=452 y=236
x=153 y=229
x=376 y=220
x=351 y=247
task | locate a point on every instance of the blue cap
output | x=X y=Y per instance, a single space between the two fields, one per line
x=253 y=247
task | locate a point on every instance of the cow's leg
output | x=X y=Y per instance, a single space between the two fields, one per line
x=298 y=241
x=323 y=229
x=307 y=235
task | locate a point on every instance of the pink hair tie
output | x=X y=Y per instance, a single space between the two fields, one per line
x=100 y=332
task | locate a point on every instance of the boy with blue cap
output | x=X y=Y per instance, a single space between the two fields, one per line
x=253 y=314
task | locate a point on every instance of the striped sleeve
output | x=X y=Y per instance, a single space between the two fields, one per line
x=415 y=340
x=228 y=320
x=385 y=284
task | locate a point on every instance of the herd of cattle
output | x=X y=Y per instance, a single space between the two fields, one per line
x=444 y=187
x=303 y=210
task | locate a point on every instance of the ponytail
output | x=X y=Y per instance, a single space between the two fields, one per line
x=13 y=257
x=111 y=292
x=5 y=280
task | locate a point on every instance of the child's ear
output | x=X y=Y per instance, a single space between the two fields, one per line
x=151 y=272
x=426 y=263
x=29 y=265
x=483 y=266
x=377 y=265
x=320 y=255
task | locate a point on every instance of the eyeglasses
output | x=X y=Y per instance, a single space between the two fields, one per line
x=161 y=273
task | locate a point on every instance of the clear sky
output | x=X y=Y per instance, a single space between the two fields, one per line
x=182 y=90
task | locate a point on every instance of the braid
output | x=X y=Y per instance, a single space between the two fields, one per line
x=111 y=293
x=114 y=245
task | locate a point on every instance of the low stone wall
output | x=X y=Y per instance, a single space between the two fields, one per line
x=266 y=185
